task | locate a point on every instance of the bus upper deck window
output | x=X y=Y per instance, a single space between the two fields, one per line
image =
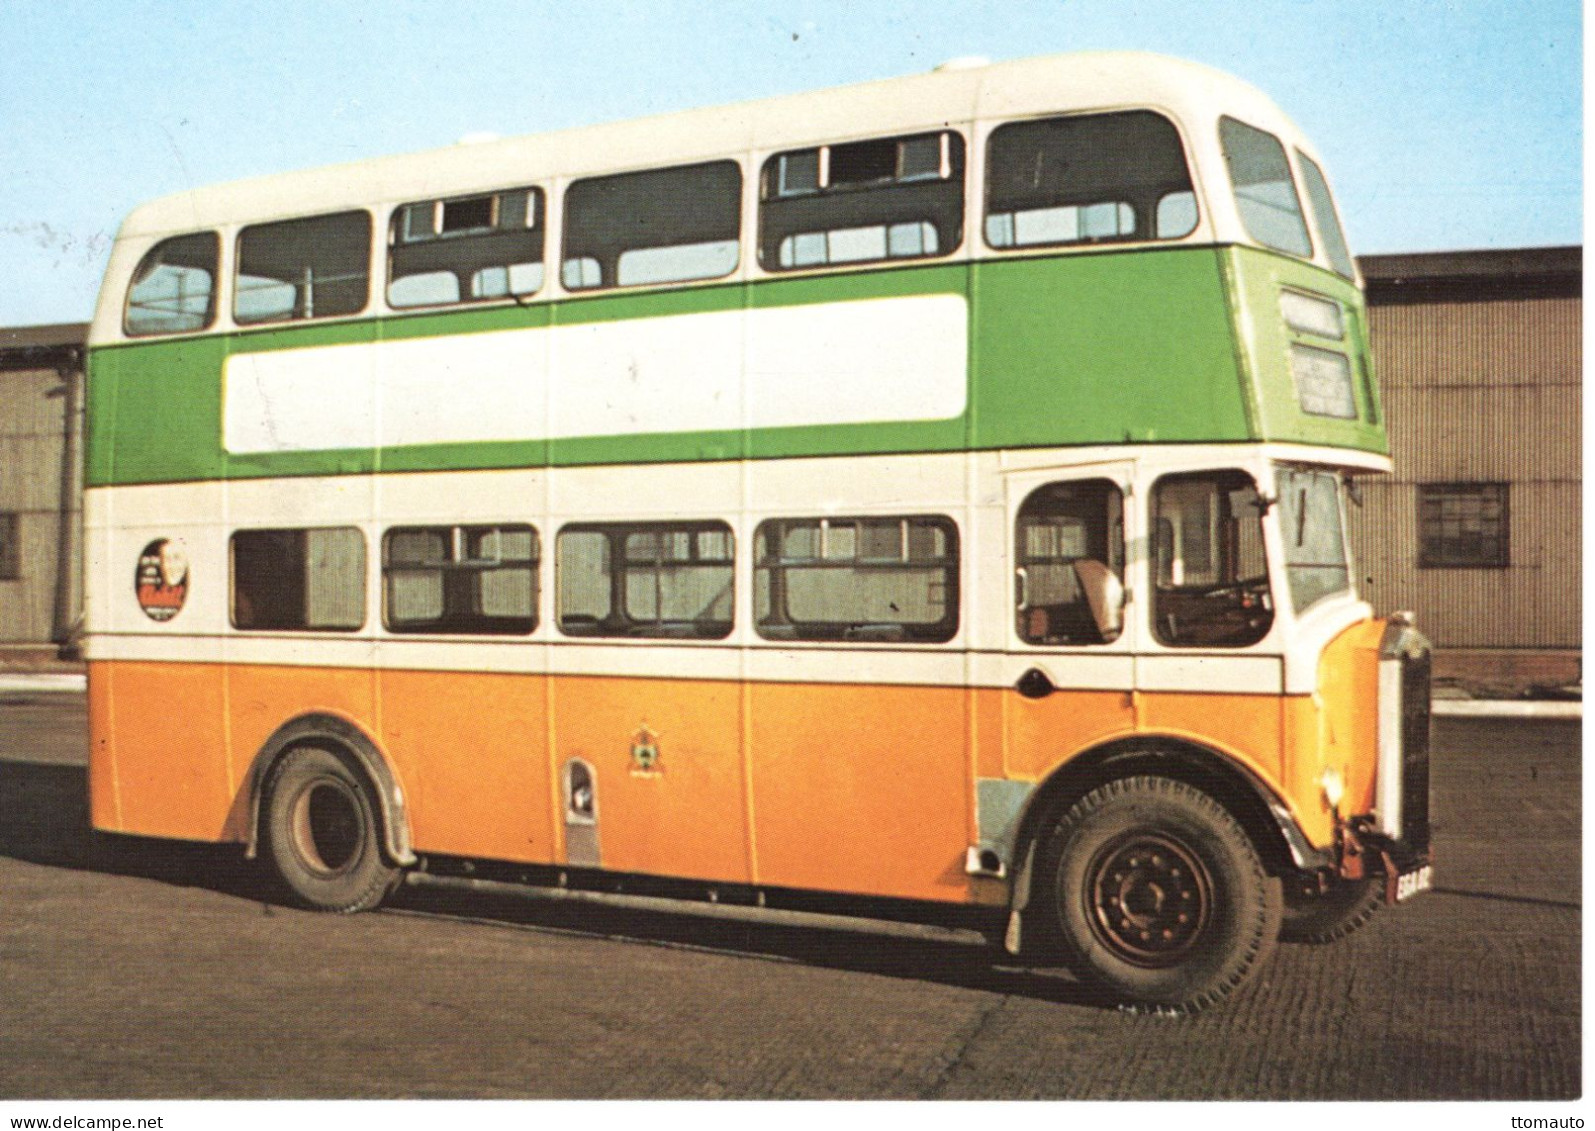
x=1323 y=205
x=862 y=202
x=659 y=226
x=174 y=289
x=1088 y=178
x=296 y=269
x=1265 y=194
x=466 y=249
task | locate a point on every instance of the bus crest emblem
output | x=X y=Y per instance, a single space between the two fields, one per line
x=645 y=751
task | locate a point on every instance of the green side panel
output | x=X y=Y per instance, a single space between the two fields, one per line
x=1257 y=277
x=1081 y=349
x=1104 y=349
x=154 y=412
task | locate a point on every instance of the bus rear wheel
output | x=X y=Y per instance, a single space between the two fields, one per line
x=1156 y=895
x=322 y=833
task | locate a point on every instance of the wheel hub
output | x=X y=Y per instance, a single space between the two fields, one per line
x=1149 y=898
x=327 y=826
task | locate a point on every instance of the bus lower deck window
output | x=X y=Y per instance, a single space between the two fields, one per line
x=667 y=580
x=857 y=579
x=479 y=580
x=299 y=579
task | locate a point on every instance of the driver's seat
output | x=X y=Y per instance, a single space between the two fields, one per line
x=1104 y=593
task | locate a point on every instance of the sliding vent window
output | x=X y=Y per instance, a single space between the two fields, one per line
x=863 y=202
x=667 y=580
x=662 y=226
x=857 y=579
x=1088 y=179
x=298 y=269
x=311 y=580
x=468 y=249
x=461 y=579
x=1265 y=194
x=174 y=289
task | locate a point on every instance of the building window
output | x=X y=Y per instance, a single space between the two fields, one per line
x=299 y=579
x=857 y=579
x=10 y=546
x=1463 y=526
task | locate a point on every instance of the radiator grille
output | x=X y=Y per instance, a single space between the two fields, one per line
x=1415 y=749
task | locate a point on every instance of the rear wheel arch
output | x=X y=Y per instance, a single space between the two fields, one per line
x=360 y=753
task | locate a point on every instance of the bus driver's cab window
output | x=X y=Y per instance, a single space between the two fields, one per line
x=1211 y=571
x=1070 y=540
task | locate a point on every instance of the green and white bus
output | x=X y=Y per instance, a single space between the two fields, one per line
x=929 y=491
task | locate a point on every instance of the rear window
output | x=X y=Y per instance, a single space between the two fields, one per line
x=174 y=288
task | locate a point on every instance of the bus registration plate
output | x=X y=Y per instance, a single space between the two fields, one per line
x=1414 y=882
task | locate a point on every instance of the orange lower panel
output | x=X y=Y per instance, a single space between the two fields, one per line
x=866 y=789
x=861 y=789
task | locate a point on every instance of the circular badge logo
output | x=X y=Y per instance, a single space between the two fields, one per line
x=162 y=579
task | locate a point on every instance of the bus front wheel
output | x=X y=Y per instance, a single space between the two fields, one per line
x=1156 y=895
x=322 y=835
x=1332 y=915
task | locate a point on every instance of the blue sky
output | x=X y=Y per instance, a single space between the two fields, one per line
x=1445 y=125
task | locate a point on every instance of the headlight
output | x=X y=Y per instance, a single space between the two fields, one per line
x=1334 y=787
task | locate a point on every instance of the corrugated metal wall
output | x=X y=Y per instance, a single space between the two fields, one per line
x=1480 y=391
x=33 y=443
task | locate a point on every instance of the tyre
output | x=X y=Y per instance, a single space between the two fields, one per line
x=1155 y=895
x=1330 y=917
x=322 y=834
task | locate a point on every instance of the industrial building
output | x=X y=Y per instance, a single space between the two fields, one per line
x=1479 y=356
x=1477 y=533
x=41 y=433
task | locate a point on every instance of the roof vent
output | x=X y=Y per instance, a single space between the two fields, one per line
x=963 y=63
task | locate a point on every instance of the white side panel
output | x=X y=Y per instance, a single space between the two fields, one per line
x=1230 y=674
x=720 y=371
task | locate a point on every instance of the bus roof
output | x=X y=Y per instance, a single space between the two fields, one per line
x=1059 y=83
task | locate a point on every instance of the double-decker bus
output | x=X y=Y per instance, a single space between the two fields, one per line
x=930 y=491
